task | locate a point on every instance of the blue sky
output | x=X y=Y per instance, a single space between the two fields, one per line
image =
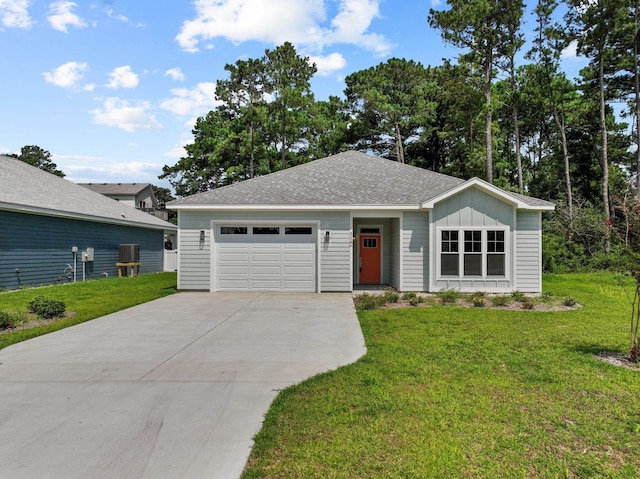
x=112 y=88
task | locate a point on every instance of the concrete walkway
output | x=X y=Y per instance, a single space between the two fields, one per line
x=175 y=388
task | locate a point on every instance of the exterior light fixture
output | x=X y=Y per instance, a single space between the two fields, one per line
x=201 y=235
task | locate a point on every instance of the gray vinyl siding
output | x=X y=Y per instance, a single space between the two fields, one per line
x=40 y=247
x=528 y=252
x=195 y=261
x=394 y=253
x=415 y=251
x=474 y=208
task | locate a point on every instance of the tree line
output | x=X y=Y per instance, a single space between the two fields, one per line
x=498 y=111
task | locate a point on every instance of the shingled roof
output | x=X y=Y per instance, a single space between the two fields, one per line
x=349 y=179
x=26 y=188
x=116 y=188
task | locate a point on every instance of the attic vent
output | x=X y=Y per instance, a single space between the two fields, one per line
x=129 y=253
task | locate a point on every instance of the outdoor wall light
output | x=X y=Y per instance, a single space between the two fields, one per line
x=326 y=235
x=201 y=235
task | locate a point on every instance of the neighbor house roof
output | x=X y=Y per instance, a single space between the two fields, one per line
x=28 y=189
x=346 y=180
x=131 y=189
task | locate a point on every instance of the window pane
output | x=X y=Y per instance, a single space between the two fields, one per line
x=369 y=242
x=233 y=230
x=495 y=241
x=370 y=230
x=473 y=241
x=495 y=265
x=296 y=230
x=449 y=243
x=449 y=265
x=472 y=265
x=266 y=230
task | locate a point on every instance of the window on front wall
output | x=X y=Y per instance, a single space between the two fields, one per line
x=483 y=253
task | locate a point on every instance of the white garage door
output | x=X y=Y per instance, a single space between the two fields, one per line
x=265 y=258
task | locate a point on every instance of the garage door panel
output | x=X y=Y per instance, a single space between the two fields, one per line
x=265 y=262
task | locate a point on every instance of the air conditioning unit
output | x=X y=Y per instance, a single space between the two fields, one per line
x=129 y=253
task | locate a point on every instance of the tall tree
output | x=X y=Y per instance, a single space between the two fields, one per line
x=480 y=27
x=36 y=156
x=288 y=81
x=243 y=97
x=594 y=27
x=392 y=104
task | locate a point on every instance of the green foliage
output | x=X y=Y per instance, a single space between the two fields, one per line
x=499 y=300
x=518 y=296
x=6 y=320
x=448 y=296
x=47 y=308
x=478 y=299
x=527 y=304
x=408 y=295
x=569 y=301
x=36 y=156
x=390 y=296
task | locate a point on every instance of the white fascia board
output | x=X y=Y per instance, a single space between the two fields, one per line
x=34 y=210
x=487 y=188
x=292 y=207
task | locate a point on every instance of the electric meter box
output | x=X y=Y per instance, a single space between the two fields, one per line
x=87 y=255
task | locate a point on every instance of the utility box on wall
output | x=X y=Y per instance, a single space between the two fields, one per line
x=87 y=255
x=129 y=253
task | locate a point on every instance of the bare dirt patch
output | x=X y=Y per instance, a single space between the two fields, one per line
x=618 y=359
x=33 y=321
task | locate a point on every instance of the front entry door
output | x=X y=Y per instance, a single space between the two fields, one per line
x=369 y=259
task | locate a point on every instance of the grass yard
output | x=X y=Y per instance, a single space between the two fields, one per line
x=84 y=300
x=469 y=393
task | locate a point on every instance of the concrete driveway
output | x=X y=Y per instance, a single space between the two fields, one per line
x=175 y=388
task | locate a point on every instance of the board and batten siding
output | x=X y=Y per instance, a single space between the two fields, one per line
x=39 y=247
x=415 y=251
x=528 y=256
x=473 y=208
x=195 y=263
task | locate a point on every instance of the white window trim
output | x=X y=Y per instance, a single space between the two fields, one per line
x=461 y=253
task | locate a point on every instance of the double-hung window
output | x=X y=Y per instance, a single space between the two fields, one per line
x=472 y=253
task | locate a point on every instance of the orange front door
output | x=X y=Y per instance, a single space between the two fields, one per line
x=369 y=259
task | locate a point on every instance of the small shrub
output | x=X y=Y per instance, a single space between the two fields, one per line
x=448 y=296
x=47 y=308
x=6 y=321
x=518 y=296
x=390 y=297
x=499 y=300
x=526 y=305
x=409 y=295
x=569 y=301
x=547 y=295
x=366 y=302
x=416 y=300
x=478 y=301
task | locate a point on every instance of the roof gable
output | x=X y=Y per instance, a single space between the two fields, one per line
x=516 y=200
x=26 y=188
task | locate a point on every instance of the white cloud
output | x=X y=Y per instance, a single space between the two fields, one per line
x=175 y=73
x=570 y=52
x=194 y=102
x=329 y=64
x=15 y=13
x=302 y=22
x=120 y=114
x=61 y=16
x=123 y=77
x=67 y=75
x=116 y=16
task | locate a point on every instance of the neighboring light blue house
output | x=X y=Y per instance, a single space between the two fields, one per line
x=44 y=217
x=354 y=219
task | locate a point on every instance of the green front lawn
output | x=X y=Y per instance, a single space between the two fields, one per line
x=469 y=392
x=85 y=301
